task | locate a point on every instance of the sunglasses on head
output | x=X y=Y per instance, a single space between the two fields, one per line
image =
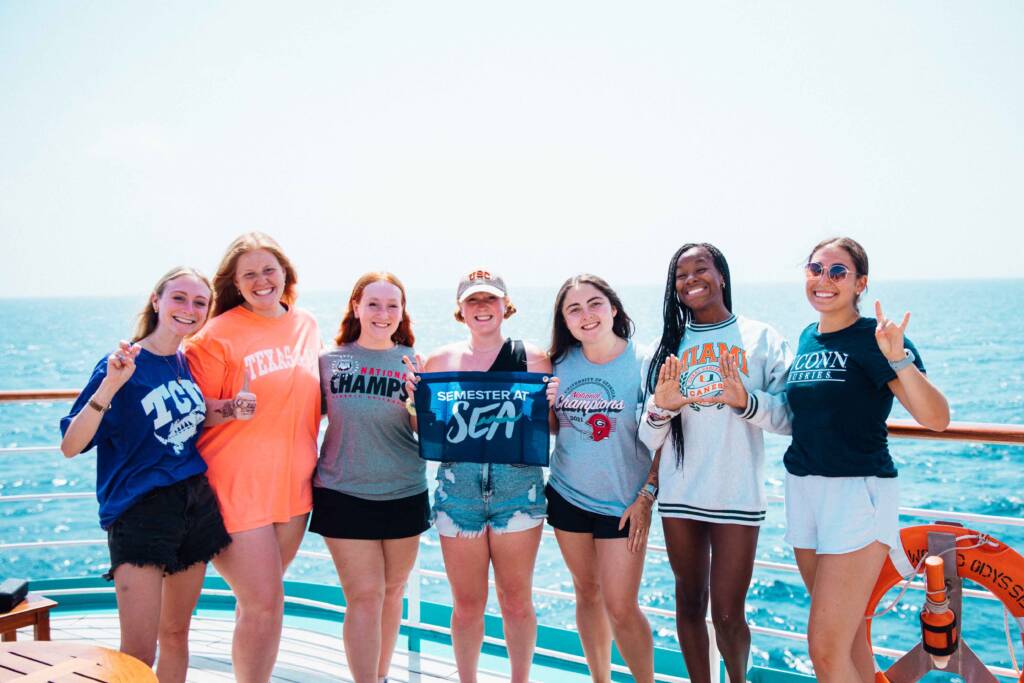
x=837 y=272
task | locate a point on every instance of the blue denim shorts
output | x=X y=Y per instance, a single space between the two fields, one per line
x=472 y=496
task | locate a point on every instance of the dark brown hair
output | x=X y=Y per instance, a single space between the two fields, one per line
x=226 y=294
x=561 y=338
x=350 y=328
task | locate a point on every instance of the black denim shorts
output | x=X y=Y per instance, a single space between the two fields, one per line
x=565 y=516
x=171 y=527
x=339 y=515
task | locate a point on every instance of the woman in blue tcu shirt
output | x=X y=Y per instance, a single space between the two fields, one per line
x=143 y=413
x=596 y=502
x=842 y=496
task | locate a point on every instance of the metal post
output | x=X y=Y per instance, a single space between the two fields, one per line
x=714 y=658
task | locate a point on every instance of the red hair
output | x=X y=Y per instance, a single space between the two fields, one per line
x=350 y=328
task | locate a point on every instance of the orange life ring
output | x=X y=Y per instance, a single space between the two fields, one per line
x=993 y=565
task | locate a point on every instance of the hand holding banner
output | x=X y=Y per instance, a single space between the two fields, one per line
x=485 y=417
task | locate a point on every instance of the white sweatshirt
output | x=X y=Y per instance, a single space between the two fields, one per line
x=722 y=474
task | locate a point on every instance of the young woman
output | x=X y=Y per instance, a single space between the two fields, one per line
x=488 y=514
x=718 y=381
x=842 y=496
x=143 y=413
x=370 y=499
x=261 y=469
x=596 y=500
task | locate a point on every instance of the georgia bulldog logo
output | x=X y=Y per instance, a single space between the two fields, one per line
x=601 y=426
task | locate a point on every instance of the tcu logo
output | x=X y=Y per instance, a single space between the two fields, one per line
x=600 y=425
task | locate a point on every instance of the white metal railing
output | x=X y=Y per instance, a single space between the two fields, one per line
x=419 y=574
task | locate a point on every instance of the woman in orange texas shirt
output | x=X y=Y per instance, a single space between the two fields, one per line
x=261 y=468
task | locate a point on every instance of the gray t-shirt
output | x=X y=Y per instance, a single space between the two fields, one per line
x=598 y=463
x=369 y=450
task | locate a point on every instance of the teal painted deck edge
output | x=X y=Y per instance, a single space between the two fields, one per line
x=666 y=662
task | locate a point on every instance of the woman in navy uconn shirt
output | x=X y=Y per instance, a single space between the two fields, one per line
x=842 y=497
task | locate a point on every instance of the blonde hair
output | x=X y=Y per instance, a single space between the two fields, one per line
x=226 y=294
x=148 y=318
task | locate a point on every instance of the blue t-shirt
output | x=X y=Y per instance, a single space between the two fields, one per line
x=838 y=390
x=599 y=463
x=148 y=437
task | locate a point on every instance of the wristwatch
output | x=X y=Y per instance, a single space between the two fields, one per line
x=898 y=365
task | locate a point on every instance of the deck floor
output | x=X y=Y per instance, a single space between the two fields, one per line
x=306 y=656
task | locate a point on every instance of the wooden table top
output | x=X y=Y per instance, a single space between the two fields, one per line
x=32 y=603
x=42 y=661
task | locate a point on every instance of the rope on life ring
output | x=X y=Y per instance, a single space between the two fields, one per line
x=990 y=563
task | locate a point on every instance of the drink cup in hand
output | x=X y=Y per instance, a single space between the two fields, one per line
x=245 y=401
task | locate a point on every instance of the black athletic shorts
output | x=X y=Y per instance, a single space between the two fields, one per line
x=171 y=527
x=339 y=515
x=565 y=516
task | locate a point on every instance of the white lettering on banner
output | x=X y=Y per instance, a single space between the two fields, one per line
x=482 y=424
x=481 y=395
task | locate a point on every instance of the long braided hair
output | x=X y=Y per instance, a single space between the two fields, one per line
x=675 y=315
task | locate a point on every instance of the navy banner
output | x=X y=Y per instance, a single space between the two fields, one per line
x=496 y=417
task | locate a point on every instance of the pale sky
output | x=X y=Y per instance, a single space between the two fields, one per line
x=537 y=139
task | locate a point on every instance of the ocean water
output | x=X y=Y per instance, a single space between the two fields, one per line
x=969 y=333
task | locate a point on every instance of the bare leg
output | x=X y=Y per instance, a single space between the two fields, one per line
x=289 y=537
x=399 y=558
x=252 y=567
x=466 y=561
x=360 y=565
x=580 y=555
x=689 y=553
x=138 y=609
x=835 y=629
x=514 y=555
x=733 y=547
x=621 y=572
x=180 y=595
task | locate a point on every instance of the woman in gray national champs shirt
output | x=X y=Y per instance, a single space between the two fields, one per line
x=370 y=498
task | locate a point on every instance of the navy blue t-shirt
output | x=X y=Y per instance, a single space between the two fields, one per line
x=148 y=437
x=838 y=390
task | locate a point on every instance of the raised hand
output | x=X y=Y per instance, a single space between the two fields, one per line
x=552 y=390
x=733 y=392
x=244 y=403
x=412 y=373
x=121 y=364
x=889 y=335
x=667 y=393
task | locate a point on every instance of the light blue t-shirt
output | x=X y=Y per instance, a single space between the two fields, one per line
x=599 y=464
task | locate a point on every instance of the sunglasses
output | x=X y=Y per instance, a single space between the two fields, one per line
x=837 y=272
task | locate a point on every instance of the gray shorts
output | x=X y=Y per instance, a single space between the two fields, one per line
x=471 y=497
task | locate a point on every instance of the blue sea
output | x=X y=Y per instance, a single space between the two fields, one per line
x=968 y=331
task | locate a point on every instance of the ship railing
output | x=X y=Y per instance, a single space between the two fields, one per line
x=974 y=432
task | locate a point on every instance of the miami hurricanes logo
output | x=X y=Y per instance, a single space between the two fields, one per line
x=705 y=380
x=600 y=426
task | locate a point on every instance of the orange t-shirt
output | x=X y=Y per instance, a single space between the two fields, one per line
x=261 y=468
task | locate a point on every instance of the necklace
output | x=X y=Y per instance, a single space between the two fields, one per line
x=176 y=368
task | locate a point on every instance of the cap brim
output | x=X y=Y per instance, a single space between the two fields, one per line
x=473 y=289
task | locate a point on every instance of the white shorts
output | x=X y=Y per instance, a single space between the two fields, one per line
x=835 y=515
